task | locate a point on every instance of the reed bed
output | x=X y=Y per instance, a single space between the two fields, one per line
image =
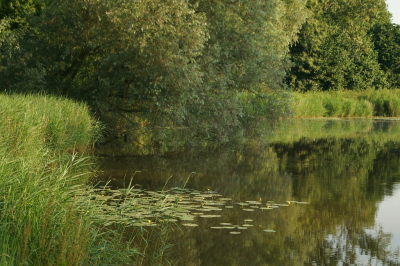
x=43 y=169
x=369 y=103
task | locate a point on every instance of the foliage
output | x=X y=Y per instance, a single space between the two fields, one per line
x=17 y=11
x=144 y=66
x=386 y=38
x=335 y=50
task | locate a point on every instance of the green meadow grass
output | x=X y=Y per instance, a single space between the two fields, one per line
x=369 y=103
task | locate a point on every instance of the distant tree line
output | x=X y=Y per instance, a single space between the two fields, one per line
x=346 y=45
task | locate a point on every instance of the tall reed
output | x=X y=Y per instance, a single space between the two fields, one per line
x=45 y=217
x=39 y=170
x=382 y=103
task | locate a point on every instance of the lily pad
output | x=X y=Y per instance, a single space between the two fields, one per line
x=253 y=202
x=190 y=225
x=210 y=216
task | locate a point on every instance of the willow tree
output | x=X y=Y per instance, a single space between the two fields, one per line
x=158 y=64
x=335 y=50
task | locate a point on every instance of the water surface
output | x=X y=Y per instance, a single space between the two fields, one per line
x=347 y=170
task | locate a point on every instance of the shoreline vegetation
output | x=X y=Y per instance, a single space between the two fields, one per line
x=161 y=76
x=46 y=217
x=369 y=103
x=52 y=211
x=45 y=169
x=41 y=142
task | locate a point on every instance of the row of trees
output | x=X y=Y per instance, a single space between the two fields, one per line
x=214 y=67
x=346 y=45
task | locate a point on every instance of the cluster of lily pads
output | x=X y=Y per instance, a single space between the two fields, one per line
x=137 y=207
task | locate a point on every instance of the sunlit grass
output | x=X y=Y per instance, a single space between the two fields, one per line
x=369 y=103
x=43 y=168
x=39 y=169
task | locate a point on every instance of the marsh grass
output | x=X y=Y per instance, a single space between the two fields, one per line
x=369 y=103
x=308 y=105
x=39 y=170
x=43 y=164
x=155 y=245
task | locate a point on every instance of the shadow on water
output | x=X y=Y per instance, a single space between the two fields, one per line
x=343 y=168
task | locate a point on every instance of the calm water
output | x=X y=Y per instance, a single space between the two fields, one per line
x=347 y=170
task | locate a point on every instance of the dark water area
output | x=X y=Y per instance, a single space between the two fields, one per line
x=344 y=176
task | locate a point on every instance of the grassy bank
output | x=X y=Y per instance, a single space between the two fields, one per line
x=40 y=138
x=42 y=169
x=383 y=103
x=49 y=212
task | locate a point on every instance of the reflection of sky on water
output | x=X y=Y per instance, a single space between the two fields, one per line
x=337 y=166
x=388 y=215
x=387 y=219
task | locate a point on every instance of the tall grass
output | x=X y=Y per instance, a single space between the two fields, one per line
x=39 y=170
x=386 y=102
x=382 y=103
x=45 y=216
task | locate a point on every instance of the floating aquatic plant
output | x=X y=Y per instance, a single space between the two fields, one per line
x=137 y=207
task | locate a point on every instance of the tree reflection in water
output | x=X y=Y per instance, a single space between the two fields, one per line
x=343 y=174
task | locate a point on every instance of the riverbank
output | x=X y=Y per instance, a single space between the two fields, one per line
x=369 y=103
x=44 y=169
x=42 y=140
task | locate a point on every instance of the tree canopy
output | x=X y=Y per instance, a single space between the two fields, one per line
x=386 y=39
x=157 y=64
x=335 y=49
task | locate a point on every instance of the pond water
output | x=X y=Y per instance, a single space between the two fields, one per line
x=322 y=192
